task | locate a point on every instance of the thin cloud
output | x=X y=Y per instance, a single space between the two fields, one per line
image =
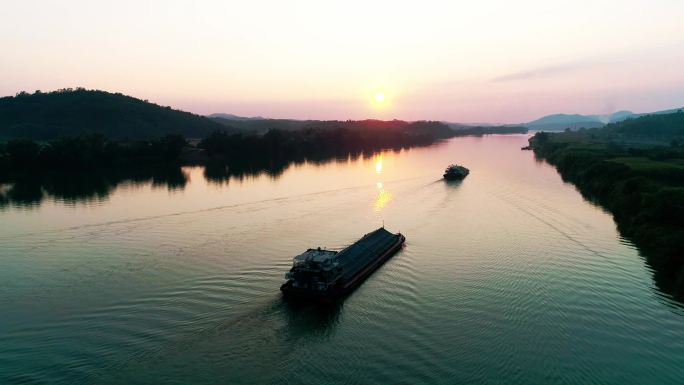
x=541 y=72
x=671 y=53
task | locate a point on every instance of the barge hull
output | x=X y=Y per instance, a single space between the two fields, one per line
x=352 y=255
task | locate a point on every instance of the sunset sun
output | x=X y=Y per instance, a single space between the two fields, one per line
x=379 y=97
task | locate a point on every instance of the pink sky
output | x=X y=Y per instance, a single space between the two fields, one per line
x=464 y=61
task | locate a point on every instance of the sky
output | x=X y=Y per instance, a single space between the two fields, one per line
x=496 y=61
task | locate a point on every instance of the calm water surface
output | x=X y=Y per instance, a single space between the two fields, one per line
x=508 y=277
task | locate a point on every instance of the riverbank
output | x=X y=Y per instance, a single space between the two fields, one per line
x=642 y=186
x=270 y=152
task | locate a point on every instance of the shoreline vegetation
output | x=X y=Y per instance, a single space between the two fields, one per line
x=489 y=130
x=86 y=130
x=78 y=145
x=269 y=152
x=634 y=169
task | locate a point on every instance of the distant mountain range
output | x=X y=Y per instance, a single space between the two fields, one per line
x=554 y=122
x=559 y=122
x=235 y=117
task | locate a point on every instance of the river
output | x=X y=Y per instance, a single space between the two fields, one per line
x=507 y=277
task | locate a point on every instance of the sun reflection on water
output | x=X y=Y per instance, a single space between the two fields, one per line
x=381 y=201
x=383 y=197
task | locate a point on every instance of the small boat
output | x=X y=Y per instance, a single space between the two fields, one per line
x=319 y=274
x=455 y=172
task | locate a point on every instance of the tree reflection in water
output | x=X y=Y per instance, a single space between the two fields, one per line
x=27 y=190
x=77 y=187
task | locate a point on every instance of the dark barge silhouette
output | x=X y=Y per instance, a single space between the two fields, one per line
x=455 y=172
x=319 y=274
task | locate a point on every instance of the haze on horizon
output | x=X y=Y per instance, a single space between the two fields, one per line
x=466 y=61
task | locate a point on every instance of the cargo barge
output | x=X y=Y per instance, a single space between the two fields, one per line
x=455 y=172
x=319 y=274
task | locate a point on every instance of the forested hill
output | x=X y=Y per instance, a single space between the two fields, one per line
x=664 y=129
x=73 y=112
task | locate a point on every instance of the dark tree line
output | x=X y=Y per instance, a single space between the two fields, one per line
x=308 y=143
x=271 y=151
x=489 y=130
x=86 y=152
x=261 y=126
